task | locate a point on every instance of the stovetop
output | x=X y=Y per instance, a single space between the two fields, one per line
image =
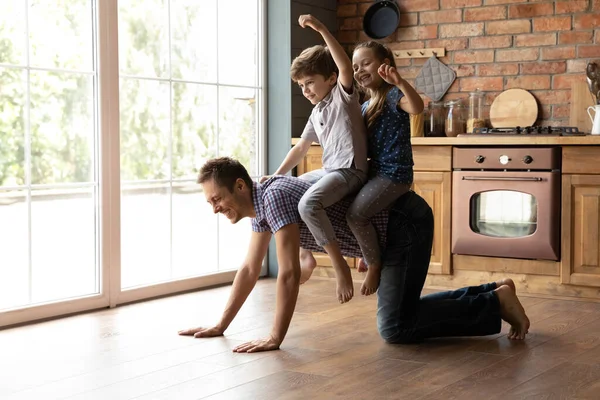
x=529 y=130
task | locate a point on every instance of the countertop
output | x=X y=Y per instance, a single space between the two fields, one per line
x=512 y=140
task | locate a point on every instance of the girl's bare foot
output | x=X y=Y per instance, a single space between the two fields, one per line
x=508 y=282
x=362 y=266
x=307 y=265
x=512 y=312
x=371 y=282
x=344 y=288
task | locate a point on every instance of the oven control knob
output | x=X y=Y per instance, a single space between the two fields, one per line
x=479 y=159
x=504 y=160
x=527 y=159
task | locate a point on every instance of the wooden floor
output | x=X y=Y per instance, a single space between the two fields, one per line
x=332 y=352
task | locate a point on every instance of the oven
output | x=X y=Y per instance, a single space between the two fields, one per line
x=506 y=202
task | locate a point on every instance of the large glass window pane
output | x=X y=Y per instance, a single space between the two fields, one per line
x=12 y=126
x=504 y=213
x=233 y=242
x=145 y=128
x=144 y=38
x=14 y=242
x=195 y=241
x=145 y=234
x=238 y=40
x=194 y=127
x=193 y=40
x=13 y=46
x=63 y=243
x=237 y=126
x=60 y=34
x=62 y=127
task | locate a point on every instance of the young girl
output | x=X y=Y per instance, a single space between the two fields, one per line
x=387 y=116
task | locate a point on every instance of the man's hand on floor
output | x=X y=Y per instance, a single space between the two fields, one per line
x=254 y=346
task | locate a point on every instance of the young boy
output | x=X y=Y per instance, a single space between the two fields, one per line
x=336 y=123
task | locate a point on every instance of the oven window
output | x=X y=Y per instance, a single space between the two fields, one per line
x=503 y=213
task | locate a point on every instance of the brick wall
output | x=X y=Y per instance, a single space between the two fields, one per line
x=538 y=45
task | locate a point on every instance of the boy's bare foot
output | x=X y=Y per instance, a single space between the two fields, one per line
x=362 y=265
x=508 y=282
x=371 y=282
x=345 y=287
x=307 y=265
x=512 y=312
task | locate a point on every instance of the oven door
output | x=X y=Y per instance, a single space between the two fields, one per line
x=506 y=214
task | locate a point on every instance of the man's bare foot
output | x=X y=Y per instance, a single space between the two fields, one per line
x=508 y=282
x=512 y=312
x=371 y=282
x=362 y=265
x=345 y=287
x=307 y=265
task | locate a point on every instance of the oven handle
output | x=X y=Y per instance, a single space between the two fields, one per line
x=503 y=178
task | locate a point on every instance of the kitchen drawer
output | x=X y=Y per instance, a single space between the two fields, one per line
x=581 y=160
x=432 y=158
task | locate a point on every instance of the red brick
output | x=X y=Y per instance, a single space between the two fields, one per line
x=440 y=17
x=348 y=10
x=449 y=44
x=470 y=84
x=553 y=96
x=530 y=10
x=348 y=1
x=417 y=33
x=404 y=62
x=461 y=30
x=552 y=24
x=588 y=51
x=409 y=73
x=410 y=19
x=544 y=113
x=474 y=57
x=570 y=6
x=351 y=24
x=485 y=14
x=421 y=61
x=596 y=5
x=464 y=70
x=490 y=42
x=561 y=111
x=445 y=4
x=494 y=2
x=413 y=44
x=576 y=65
x=558 y=53
x=507 y=27
x=531 y=82
x=575 y=37
x=566 y=81
x=497 y=69
x=349 y=37
x=544 y=67
x=597 y=37
x=362 y=9
x=418 y=5
x=517 y=55
x=586 y=21
x=532 y=40
x=362 y=37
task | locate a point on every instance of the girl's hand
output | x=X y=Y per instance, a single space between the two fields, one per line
x=310 y=21
x=389 y=74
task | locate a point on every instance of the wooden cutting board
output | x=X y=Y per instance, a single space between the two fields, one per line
x=581 y=99
x=513 y=107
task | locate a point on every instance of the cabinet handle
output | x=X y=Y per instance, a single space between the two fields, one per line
x=503 y=178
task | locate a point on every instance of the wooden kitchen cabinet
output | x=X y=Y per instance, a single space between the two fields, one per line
x=434 y=187
x=580 y=261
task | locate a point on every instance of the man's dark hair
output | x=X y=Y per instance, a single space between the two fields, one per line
x=224 y=171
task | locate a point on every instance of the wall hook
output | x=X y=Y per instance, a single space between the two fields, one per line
x=434 y=53
x=409 y=53
x=421 y=53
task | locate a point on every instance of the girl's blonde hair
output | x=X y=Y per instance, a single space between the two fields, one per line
x=379 y=95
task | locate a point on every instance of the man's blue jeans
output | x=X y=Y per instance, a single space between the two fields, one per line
x=403 y=316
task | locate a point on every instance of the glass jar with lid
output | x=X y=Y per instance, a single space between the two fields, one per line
x=475 y=119
x=455 y=119
x=436 y=126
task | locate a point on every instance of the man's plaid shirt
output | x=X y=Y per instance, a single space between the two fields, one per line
x=276 y=205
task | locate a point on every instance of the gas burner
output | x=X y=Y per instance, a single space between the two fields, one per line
x=531 y=130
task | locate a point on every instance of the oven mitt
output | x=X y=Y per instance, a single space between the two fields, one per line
x=435 y=79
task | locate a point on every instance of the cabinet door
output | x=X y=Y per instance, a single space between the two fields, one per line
x=434 y=187
x=311 y=161
x=580 y=258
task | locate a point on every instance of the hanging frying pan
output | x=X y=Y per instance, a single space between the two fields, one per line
x=381 y=19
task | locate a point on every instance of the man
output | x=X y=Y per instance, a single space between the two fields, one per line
x=406 y=234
